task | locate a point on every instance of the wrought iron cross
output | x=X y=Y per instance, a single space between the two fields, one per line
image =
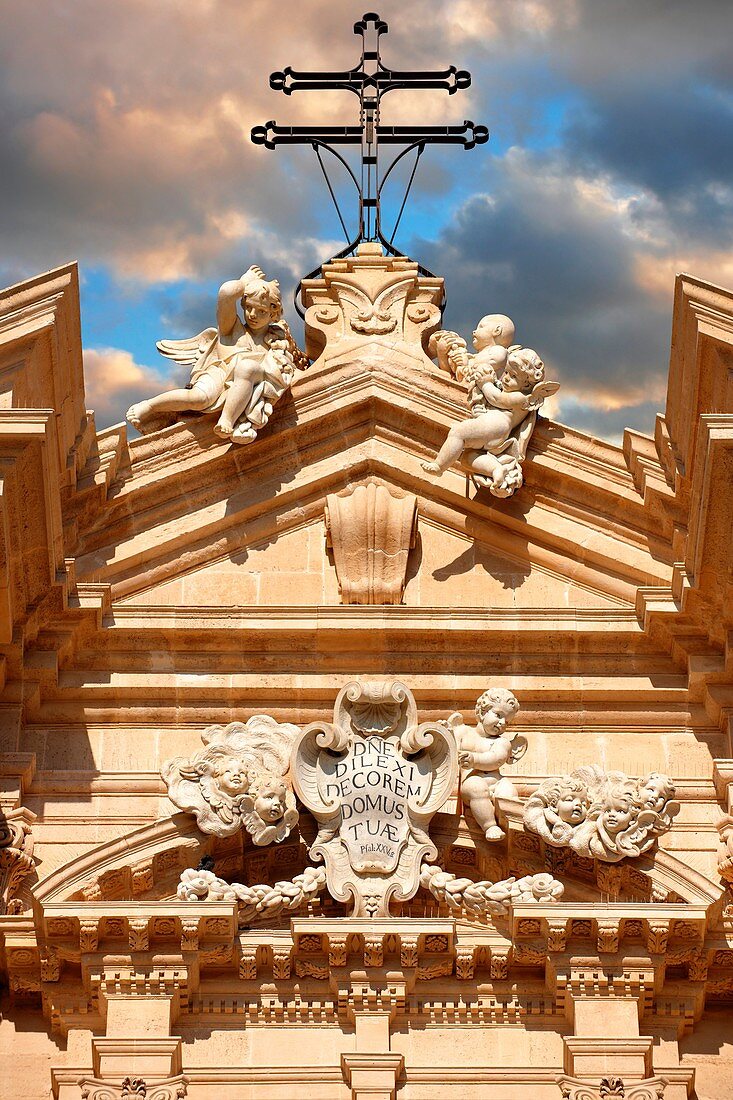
x=370 y=80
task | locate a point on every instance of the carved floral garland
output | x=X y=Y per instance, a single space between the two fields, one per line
x=478 y=898
x=253 y=901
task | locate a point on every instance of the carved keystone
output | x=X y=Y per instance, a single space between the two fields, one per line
x=371 y=530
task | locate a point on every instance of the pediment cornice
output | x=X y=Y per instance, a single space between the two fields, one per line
x=194 y=505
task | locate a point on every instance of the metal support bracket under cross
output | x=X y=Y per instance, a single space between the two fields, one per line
x=370 y=80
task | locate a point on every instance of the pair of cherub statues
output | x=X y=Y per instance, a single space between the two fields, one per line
x=237 y=780
x=506 y=386
x=605 y=815
x=244 y=365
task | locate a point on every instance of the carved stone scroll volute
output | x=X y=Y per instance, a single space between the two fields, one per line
x=373 y=780
x=371 y=529
x=369 y=298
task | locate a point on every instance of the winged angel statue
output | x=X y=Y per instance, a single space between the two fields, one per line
x=506 y=386
x=240 y=369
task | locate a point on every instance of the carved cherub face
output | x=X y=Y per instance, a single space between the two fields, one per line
x=257 y=313
x=494 y=720
x=571 y=806
x=524 y=368
x=270 y=801
x=617 y=814
x=232 y=777
x=495 y=328
x=655 y=792
x=513 y=378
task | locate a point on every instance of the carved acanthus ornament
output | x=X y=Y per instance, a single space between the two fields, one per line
x=369 y=299
x=16 y=856
x=134 y=1088
x=612 y=1088
x=238 y=780
x=506 y=386
x=371 y=529
x=604 y=815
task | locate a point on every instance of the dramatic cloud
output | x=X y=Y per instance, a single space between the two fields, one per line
x=124 y=139
x=559 y=253
x=114 y=381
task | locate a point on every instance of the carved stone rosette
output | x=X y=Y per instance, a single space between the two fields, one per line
x=371 y=529
x=373 y=780
x=602 y=815
x=238 y=780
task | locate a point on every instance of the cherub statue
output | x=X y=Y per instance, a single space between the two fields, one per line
x=493 y=443
x=237 y=780
x=241 y=368
x=482 y=750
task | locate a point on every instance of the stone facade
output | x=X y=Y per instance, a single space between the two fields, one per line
x=154 y=588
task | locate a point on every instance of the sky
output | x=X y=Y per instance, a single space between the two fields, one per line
x=124 y=144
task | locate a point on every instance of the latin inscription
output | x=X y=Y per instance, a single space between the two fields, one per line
x=373 y=783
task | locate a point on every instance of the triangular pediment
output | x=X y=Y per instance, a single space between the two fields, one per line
x=192 y=512
x=445 y=568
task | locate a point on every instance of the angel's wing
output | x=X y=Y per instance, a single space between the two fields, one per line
x=542 y=391
x=186 y=352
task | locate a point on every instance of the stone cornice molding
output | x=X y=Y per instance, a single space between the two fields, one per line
x=40 y=350
x=612 y=552
x=135 y=861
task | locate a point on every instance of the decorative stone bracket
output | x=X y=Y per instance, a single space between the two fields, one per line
x=16 y=856
x=370 y=299
x=371 y=529
x=133 y=1088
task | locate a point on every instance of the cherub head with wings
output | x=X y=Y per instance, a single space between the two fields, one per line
x=238 y=780
x=224 y=781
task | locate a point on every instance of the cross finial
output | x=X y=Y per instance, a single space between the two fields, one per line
x=370 y=80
